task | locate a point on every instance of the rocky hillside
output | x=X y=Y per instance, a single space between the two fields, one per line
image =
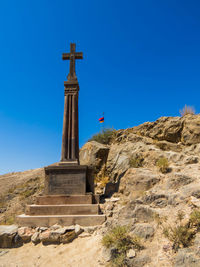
x=17 y=190
x=152 y=172
x=150 y=178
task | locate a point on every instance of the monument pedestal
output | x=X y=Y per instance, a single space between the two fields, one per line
x=64 y=179
x=65 y=201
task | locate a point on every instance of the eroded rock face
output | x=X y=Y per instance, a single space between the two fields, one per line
x=172 y=129
x=143 y=214
x=165 y=128
x=186 y=258
x=8 y=236
x=191 y=130
x=138 y=179
x=26 y=233
x=143 y=230
x=93 y=154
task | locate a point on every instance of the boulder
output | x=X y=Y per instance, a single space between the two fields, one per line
x=140 y=260
x=119 y=157
x=94 y=154
x=68 y=237
x=143 y=230
x=191 y=130
x=195 y=202
x=136 y=179
x=78 y=230
x=165 y=128
x=155 y=200
x=106 y=254
x=50 y=237
x=186 y=258
x=8 y=236
x=130 y=253
x=143 y=214
x=179 y=179
x=26 y=233
x=35 y=238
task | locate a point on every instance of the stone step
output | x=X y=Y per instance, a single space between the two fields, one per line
x=73 y=209
x=64 y=199
x=64 y=220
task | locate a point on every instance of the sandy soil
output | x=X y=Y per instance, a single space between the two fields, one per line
x=81 y=252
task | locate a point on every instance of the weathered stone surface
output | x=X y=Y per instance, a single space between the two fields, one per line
x=63 y=179
x=138 y=180
x=155 y=200
x=168 y=146
x=143 y=214
x=179 y=179
x=8 y=236
x=110 y=188
x=25 y=233
x=3 y=252
x=50 y=237
x=165 y=128
x=78 y=230
x=35 y=238
x=195 y=201
x=68 y=237
x=191 y=130
x=140 y=260
x=94 y=154
x=90 y=229
x=106 y=254
x=143 y=230
x=191 y=160
x=130 y=253
x=126 y=215
x=186 y=258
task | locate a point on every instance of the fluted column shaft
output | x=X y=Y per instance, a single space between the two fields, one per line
x=70 y=139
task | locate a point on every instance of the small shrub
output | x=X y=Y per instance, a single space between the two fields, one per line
x=180 y=215
x=180 y=235
x=8 y=220
x=136 y=162
x=121 y=241
x=27 y=193
x=163 y=165
x=103 y=180
x=195 y=219
x=105 y=136
x=187 y=110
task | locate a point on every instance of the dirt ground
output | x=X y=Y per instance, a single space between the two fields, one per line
x=81 y=252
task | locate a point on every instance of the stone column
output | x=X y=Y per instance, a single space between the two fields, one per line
x=70 y=140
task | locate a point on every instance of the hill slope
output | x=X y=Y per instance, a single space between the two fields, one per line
x=150 y=175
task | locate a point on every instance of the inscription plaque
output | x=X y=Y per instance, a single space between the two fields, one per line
x=65 y=180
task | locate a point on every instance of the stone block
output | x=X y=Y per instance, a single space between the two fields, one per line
x=64 y=199
x=78 y=209
x=64 y=220
x=61 y=179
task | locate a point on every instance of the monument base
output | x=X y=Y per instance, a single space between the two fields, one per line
x=65 y=179
x=65 y=200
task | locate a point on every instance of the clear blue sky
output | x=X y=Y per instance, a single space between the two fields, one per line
x=141 y=62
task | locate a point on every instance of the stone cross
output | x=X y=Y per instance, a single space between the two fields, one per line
x=70 y=138
x=72 y=56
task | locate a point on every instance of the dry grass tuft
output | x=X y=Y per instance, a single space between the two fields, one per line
x=187 y=110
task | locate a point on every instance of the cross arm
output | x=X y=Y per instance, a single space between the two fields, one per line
x=78 y=55
x=65 y=56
